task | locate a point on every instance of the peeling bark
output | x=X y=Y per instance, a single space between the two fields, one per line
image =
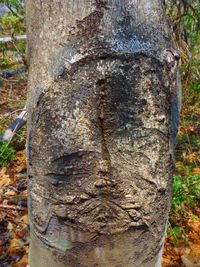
x=102 y=117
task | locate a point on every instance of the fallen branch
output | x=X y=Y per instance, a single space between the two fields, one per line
x=15 y=126
x=10 y=114
x=10 y=39
x=9 y=74
x=11 y=207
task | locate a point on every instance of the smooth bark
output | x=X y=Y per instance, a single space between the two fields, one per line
x=102 y=117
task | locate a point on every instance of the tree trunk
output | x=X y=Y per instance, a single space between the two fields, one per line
x=102 y=117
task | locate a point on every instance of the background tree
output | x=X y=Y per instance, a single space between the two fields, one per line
x=103 y=115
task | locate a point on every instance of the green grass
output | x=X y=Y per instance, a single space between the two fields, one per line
x=7 y=153
x=186 y=190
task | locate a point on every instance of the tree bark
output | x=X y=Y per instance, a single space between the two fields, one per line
x=102 y=117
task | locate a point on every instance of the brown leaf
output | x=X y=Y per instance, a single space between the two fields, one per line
x=196 y=171
x=22 y=263
x=4 y=178
x=24 y=218
x=190 y=261
x=16 y=245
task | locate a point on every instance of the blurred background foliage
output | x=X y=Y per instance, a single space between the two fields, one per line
x=12 y=24
x=184 y=20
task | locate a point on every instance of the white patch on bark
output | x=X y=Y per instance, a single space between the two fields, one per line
x=100 y=255
x=133 y=45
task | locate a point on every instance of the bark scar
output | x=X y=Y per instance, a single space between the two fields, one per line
x=105 y=164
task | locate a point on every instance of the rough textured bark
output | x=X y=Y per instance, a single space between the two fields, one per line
x=103 y=114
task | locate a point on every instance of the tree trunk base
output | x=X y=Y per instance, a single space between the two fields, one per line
x=113 y=251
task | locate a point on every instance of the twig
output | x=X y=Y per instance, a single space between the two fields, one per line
x=10 y=114
x=11 y=207
x=10 y=39
x=20 y=54
x=12 y=11
x=9 y=74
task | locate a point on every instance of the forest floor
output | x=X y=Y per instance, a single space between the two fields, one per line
x=182 y=243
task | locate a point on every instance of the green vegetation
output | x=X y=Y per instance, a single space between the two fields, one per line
x=12 y=24
x=6 y=154
x=8 y=150
x=12 y=56
x=184 y=17
x=186 y=190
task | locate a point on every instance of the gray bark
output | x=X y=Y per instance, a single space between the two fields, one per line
x=102 y=117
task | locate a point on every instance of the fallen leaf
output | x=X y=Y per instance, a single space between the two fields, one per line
x=24 y=218
x=15 y=246
x=4 y=178
x=190 y=262
x=196 y=171
x=22 y=263
x=10 y=193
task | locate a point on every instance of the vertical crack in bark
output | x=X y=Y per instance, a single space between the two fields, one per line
x=104 y=172
x=102 y=118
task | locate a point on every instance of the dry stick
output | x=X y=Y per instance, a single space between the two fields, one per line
x=15 y=126
x=10 y=114
x=10 y=39
x=9 y=74
x=12 y=207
